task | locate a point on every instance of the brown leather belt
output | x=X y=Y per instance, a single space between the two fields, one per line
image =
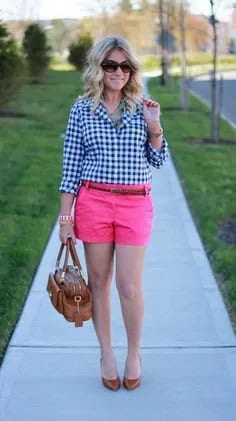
x=116 y=190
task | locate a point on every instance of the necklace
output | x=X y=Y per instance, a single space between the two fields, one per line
x=117 y=114
x=115 y=109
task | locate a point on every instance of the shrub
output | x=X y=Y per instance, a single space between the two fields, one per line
x=37 y=52
x=78 y=51
x=12 y=68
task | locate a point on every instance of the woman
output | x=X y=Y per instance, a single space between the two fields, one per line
x=112 y=138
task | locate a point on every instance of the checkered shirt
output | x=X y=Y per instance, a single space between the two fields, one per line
x=97 y=151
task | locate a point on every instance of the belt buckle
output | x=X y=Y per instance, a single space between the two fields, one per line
x=115 y=190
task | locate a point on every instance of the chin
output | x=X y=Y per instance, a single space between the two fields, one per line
x=117 y=86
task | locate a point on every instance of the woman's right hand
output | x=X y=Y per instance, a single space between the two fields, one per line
x=65 y=232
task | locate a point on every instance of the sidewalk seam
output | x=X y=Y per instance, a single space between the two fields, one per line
x=124 y=347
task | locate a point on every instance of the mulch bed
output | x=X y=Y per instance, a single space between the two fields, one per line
x=11 y=114
x=209 y=141
x=227 y=231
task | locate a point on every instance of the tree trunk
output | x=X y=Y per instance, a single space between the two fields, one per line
x=220 y=97
x=214 y=125
x=164 y=51
x=183 y=86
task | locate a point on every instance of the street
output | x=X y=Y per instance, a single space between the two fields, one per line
x=201 y=86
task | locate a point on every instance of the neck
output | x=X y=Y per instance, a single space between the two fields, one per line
x=112 y=97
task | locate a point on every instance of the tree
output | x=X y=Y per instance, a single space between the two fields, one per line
x=184 y=90
x=78 y=51
x=143 y=5
x=12 y=68
x=197 y=32
x=125 y=6
x=163 y=41
x=36 y=51
x=58 y=36
x=214 y=113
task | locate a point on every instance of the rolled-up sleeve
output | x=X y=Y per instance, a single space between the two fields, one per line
x=72 y=154
x=156 y=158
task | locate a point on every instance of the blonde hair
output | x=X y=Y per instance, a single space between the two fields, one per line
x=93 y=74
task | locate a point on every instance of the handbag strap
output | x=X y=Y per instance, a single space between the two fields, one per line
x=74 y=254
x=60 y=254
x=70 y=248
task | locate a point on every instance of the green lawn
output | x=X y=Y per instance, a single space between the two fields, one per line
x=30 y=167
x=208 y=178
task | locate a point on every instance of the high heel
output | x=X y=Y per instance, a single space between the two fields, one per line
x=131 y=384
x=112 y=384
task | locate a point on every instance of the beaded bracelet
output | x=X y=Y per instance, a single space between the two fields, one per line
x=65 y=220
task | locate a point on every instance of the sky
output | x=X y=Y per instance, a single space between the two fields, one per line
x=49 y=9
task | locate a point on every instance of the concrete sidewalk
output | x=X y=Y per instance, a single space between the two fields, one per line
x=51 y=369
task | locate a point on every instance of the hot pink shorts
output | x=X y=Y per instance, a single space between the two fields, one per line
x=104 y=217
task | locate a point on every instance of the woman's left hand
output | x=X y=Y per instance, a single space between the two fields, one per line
x=151 y=112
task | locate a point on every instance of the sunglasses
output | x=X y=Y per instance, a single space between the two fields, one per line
x=111 y=66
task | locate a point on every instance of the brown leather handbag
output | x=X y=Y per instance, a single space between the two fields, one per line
x=67 y=288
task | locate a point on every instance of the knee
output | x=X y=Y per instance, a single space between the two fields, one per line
x=127 y=289
x=98 y=280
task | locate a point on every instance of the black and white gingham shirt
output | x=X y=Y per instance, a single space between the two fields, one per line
x=97 y=151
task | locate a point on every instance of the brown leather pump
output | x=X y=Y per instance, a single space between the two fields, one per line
x=131 y=384
x=112 y=384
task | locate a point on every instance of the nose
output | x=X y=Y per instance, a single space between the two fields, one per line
x=118 y=71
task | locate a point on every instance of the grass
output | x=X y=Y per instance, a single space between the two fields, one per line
x=152 y=62
x=208 y=177
x=30 y=169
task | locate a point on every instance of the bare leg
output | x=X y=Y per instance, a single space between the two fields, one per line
x=129 y=269
x=100 y=263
